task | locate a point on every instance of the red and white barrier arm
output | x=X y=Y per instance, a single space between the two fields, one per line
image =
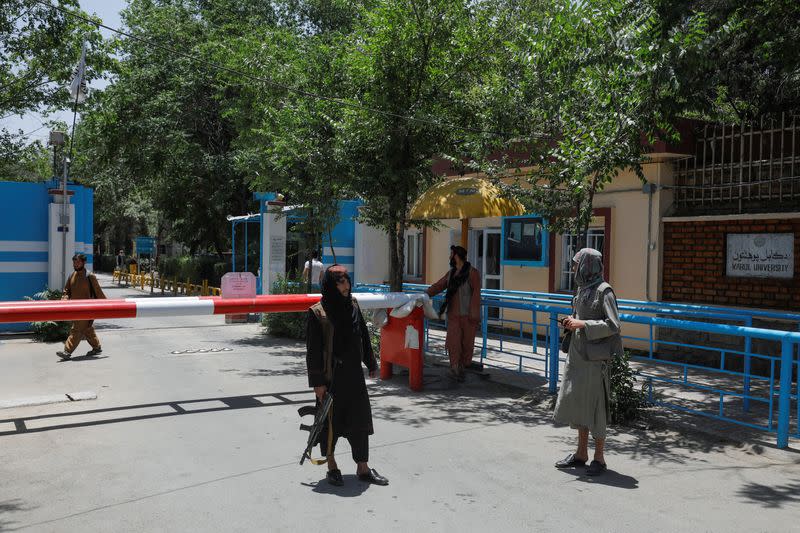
x=43 y=310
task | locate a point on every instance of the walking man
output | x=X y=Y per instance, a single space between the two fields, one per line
x=81 y=286
x=462 y=303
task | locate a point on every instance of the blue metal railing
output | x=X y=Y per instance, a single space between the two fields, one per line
x=718 y=381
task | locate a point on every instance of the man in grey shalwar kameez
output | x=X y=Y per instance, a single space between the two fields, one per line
x=584 y=397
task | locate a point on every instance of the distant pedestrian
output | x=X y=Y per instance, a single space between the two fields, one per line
x=337 y=344
x=583 y=400
x=81 y=285
x=120 y=264
x=462 y=303
x=315 y=269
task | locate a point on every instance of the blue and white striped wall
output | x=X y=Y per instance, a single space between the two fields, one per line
x=24 y=261
x=344 y=238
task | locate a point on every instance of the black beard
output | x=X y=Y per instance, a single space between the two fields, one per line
x=452 y=263
x=78 y=269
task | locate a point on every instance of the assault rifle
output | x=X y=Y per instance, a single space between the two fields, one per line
x=320 y=414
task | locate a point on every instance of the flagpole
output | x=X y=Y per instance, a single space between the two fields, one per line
x=65 y=221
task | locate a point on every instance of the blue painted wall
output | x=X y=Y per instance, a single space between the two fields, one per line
x=344 y=238
x=23 y=237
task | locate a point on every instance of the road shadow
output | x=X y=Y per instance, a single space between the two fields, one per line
x=106 y=325
x=79 y=358
x=128 y=413
x=352 y=487
x=771 y=496
x=477 y=400
x=289 y=370
x=265 y=340
x=8 y=507
x=609 y=478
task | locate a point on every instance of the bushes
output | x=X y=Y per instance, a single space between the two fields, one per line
x=288 y=325
x=49 y=331
x=201 y=267
x=627 y=400
x=104 y=263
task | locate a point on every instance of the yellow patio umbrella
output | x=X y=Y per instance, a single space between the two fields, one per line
x=464 y=198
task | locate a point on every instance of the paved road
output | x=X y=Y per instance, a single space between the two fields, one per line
x=209 y=442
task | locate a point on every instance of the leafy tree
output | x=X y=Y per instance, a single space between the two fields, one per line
x=747 y=65
x=287 y=120
x=20 y=162
x=588 y=81
x=39 y=47
x=161 y=132
x=411 y=65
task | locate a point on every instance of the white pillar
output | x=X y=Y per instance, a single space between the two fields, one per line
x=371 y=254
x=273 y=246
x=57 y=258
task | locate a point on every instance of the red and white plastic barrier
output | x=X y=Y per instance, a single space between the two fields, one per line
x=43 y=310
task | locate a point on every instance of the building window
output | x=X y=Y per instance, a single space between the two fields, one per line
x=524 y=241
x=569 y=245
x=414 y=242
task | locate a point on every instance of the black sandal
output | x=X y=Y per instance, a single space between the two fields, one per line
x=595 y=468
x=570 y=461
x=335 y=477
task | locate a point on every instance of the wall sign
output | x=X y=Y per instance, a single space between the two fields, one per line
x=760 y=255
x=277 y=251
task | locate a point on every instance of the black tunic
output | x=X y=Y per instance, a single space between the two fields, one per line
x=351 y=409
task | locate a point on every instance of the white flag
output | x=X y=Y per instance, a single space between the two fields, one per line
x=77 y=89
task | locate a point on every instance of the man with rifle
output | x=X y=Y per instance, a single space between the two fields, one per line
x=337 y=343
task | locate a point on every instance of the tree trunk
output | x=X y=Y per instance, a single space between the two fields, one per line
x=401 y=248
x=394 y=263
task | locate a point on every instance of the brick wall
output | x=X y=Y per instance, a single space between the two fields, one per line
x=694 y=265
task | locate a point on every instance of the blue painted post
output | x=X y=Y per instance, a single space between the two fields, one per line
x=427 y=334
x=233 y=246
x=535 y=336
x=651 y=340
x=246 y=223
x=784 y=399
x=553 y=386
x=748 y=341
x=484 y=331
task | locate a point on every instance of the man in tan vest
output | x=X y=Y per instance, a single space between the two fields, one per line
x=81 y=285
x=462 y=303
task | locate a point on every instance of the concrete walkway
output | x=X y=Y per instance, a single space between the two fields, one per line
x=207 y=439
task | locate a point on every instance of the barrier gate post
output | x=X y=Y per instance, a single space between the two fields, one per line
x=401 y=344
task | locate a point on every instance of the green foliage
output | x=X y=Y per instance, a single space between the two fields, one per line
x=627 y=400
x=374 y=333
x=105 y=263
x=39 y=47
x=50 y=331
x=745 y=63
x=197 y=269
x=160 y=141
x=289 y=325
x=330 y=99
x=416 y=60
x=19 y=162
x=586 y=82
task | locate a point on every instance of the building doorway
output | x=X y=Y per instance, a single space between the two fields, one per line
x=484 y=254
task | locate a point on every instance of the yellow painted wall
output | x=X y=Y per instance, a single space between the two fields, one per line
x=629 y=250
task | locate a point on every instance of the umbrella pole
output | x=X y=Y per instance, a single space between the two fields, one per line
x=464 y=232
